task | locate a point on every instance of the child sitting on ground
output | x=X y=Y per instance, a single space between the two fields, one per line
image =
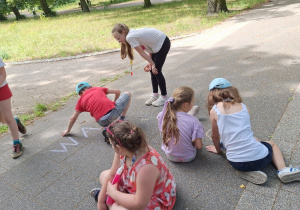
x=145 y=183
x=14 y=124
x=182 y=132
x=95 y=101
x=230 y=122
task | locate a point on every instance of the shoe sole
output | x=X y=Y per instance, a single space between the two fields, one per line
x=255 y=177
x=14 y=156
x=21 y=127
x=290 y=177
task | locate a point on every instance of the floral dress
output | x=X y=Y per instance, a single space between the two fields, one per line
x=164 y=194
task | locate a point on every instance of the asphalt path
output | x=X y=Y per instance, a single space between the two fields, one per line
x=258 y=51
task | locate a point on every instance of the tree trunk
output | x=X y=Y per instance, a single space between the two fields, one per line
x=84 y=6
x=17 y=13
x=147 y=3
x=46 y=9
x=216 y=6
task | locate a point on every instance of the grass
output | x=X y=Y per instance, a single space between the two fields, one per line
x=78 y=33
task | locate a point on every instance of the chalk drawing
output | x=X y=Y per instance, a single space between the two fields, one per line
x=66 y=144
x=86 y=130
x=208 y=135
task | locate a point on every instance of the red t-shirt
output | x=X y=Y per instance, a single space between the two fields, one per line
x=95 y=101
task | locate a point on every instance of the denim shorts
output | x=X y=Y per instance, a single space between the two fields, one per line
x=255 y=165
x=116 y=112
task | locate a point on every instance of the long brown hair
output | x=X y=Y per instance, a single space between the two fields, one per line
x=180 y=95
x=128 y=135
x=125 y=48
x=228 y=96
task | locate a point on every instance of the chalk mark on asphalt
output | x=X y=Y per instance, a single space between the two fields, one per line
x=75 y=143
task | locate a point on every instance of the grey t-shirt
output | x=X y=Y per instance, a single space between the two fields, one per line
x=1 y=65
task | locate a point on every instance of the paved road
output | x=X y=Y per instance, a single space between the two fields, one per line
x=258 y=51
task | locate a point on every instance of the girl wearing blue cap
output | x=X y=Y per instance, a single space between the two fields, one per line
x=230 y=122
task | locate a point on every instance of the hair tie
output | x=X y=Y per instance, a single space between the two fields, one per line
x=171 y=99
x=227 y=100
x=131 y=132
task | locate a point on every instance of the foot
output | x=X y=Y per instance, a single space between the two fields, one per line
x=17 y=150
x=21 y=127
x=289 y=174
x=104 y=133
x=194 y=110
x=94 y=193
x=160 y=101
x=151 y=99
x=255 y=177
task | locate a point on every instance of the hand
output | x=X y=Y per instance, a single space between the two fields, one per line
x=111 y=188
x=147 y=68
x=212 y=148
x=154 y=69
x=66 y=132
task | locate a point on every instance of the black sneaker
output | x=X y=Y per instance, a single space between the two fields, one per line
x=104 y=133
x=21 y=127
x=94 y=193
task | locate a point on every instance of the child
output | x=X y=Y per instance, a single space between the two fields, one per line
x=6 y=116
x=157 y=45
x=230 y=122
x=145 y=183
x=182 y=132
x=95 y=101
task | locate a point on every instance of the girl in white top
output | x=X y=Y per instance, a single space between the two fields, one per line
x=230 y=122
x=157 y=46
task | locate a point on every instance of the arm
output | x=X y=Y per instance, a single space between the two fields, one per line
x=148 y=58
x=214 y=134
x=2 y=75
x=197 y=143
x=114 y=91
x=145 y=183
x=71 y=123
x=102 y=195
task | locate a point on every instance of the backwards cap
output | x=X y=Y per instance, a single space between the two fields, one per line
x=81 y=85
x=219 y=83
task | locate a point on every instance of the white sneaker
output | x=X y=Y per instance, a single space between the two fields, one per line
x=151 y=99
x=194 y=110
x=289 y=174
x=255 y=177
x=160 y=101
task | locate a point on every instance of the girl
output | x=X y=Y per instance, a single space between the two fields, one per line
x=182 y=132
x=230 y=122
x=6 y=116
x=146 y=182
x=157 y=45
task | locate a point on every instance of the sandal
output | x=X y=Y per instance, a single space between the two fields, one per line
x=95 y=192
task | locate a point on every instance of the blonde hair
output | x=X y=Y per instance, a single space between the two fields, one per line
x=181 y=95
x=125 y=48
x=228 y=96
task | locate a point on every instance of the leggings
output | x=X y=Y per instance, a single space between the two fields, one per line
x=159 y=60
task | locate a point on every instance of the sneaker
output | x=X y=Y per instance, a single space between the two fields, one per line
x=104 y=133
x=151 y=99
x=289 y=174
x=194 y=110
x=94 y=193
x=17 y=150
x=255 y=177
x=160 y=101
x=21 y=127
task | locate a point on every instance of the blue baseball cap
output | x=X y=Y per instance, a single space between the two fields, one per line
x=219 y=83
x=82 y=85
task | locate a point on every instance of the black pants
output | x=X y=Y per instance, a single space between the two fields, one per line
x=159 y=60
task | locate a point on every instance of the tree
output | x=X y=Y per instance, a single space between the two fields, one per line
x=84 y=6
x=216 y=6
x=46 y=9
x=17 y=13
x=147 y=3
x=4 y=10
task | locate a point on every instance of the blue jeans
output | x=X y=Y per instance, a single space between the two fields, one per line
x=255 y=165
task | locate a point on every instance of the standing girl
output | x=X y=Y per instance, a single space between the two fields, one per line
x=157 y=45
x=182 y=132
x=145 y=183
x=230 y=122
x=6 y=116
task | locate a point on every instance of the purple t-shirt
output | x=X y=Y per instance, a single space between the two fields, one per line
x=190 y=129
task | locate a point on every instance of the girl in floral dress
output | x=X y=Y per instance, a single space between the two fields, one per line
x=145 y=183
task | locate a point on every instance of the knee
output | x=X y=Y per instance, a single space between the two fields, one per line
x=128 y=93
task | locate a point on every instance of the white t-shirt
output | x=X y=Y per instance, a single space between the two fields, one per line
x=152 y=39
x=1 y=65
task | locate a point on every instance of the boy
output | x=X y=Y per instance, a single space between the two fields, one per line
x=95 y=101
x=6 y=116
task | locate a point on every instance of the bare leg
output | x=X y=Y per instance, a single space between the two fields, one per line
x=5 y=107
x=278 y=160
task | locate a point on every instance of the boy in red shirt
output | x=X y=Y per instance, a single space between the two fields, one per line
x=95 y=101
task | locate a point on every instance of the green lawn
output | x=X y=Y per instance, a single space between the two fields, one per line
x=79 y=33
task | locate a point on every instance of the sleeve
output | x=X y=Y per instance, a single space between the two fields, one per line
x=132 y=41
x=160 y=121
x=104 y=89
x=78 y=107
x=198 y=130
x=1 y=63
